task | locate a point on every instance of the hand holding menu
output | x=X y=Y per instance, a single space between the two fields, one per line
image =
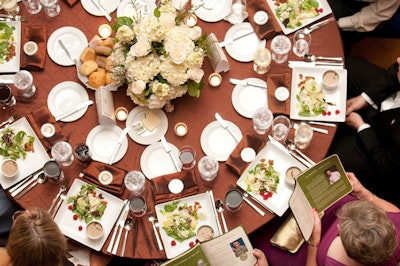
x=318 y=187
x=231 y=248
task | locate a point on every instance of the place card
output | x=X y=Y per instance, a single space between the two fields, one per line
x=105 y=106
x=217 y=57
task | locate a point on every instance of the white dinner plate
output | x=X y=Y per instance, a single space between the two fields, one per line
x=12 y=66
x=217 y=142
x=326 y=10
x=147 y=137
x=70 y=227
x=243 y=49
x=207 y=208
x=73 y=38
x=155 y=161
x=246 y=98
x=102 y=141
x=212 y=10
x=33 y=160
x=109 y=5
x=129 y=8
x=279 y=202
x=64 y=97
x=334 y=113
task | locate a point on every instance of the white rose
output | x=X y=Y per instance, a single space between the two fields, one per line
x=142 y=47
x=155 y=103
x=196 y=74
x=167 y=20
x=195 y=33
x=138 y=86
x=178 y=53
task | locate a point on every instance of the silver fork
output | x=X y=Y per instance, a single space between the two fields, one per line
x=8 y=121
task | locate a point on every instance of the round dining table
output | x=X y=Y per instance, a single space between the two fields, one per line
x=195 y=112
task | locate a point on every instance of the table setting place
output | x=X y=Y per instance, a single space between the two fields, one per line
x=145 y=179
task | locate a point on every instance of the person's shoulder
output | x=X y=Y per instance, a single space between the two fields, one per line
x=4 y=258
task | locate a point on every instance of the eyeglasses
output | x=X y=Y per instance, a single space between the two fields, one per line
x=16 y=214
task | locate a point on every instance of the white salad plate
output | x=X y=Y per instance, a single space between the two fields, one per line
x=246 y=98
x=279 y=202
x=73 y=38
x=12 y=66
x=336 y=111
x=64 y=97
x=212 y=10
x=33 y=160
x=206 y=211
x=148 y=137
x=243 y=49
x=217 y=142
x=109 y=5
x=129 y=8
x=326 y=10
x=102 y=141
x=155 y=161
x=70 y=227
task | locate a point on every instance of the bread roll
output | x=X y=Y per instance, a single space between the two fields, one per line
x=107 y=42
x=101 y=60
x=103 y=50
x=88 y=67
x=109 y=78
x=88 y=54
x=109 y=64
x=97 y=79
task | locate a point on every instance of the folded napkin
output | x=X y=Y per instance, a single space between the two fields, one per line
x=40 y=116
x=71 y=2
x=116 y=187
x=160 y=186
x=269 y=29
x=235 y=162
x=273 y=82
x=37 y=34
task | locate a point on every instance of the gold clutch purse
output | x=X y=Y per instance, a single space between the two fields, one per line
x=288 y=237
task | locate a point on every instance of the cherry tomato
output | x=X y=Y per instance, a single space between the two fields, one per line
x=75 y=217
x=337 y=111
x=191 y=244
x=80 y=228
x=69 y=207
x=173 y=243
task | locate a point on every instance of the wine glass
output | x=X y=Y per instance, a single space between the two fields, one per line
x=10 y=6
x=51 y=7
x=238 y=12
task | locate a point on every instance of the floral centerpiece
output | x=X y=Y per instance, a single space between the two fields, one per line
x=158 y=56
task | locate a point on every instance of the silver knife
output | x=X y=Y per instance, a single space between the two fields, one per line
x=283 y=148
x=120 y=140
x=247 y=82
x=17 y=191
x=7 y=79
x=111 y=244
x=76 y=109
x=168 y=150
x=234 y=38
x=318 y=25
x=67 y=52
x=102 y=10
x=121 y=223
x=225 y=125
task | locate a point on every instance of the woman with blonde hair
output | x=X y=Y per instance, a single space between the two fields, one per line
x=35 y=239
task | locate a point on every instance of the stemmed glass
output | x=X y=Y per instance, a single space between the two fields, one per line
x=10 y=6
x=51 y=7
x=238 y=13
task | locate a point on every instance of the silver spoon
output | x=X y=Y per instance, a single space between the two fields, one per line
x=129 y=224
x=291 y=146
x=152 y=220
x=220 y=208
x=312 y=58
x=41 y=180
x=245 y=195
x=61 y=190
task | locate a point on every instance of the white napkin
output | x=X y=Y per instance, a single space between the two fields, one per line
x=391 y=102
x=80 y=257
x=294 y=64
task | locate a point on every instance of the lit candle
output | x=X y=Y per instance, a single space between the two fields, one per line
x=121 y=113
x=215 y=79
x=105 y=30
x=48 y=130
x=180 y=129
x=190 y=20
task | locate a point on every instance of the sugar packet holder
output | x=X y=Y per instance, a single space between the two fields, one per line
x=217 y=57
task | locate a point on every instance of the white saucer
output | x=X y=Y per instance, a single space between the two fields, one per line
x=109 y=5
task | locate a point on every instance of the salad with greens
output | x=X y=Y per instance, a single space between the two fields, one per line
x=293 y=13
x=15 y=144
x=181 y=220
x=87 y=204
x=310 y=99
x=7 y=42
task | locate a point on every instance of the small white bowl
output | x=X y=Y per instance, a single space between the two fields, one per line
x=282 y=94
x=9 y=168
x=30 y=48
x=261 y=17
x=291 y=174
x=330 y=79
x=94 y=230
x=105 y=177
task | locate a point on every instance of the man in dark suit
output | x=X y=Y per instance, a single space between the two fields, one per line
x=368 y=143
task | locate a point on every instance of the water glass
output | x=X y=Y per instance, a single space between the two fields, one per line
x=262 y=60
x=82 y=153
x=303 y=135
x=138 y=206
x=208 y=168
x=135 y=182
x=10 y=6
x=61 y=151
x=280 y=127
x=238 y=12
x=262 y=120
x=51 y=7
x=53 y=172
x=23 y=82
x=233 y=200
x=32 y=6
x=280 y=47
x=187 y=155
x=7 y=99
x=301 y=43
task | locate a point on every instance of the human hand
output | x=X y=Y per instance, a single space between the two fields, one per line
x=261 y=259
x=316 y=233
x=354 y=120
x=359 y=191
x=355 y=104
